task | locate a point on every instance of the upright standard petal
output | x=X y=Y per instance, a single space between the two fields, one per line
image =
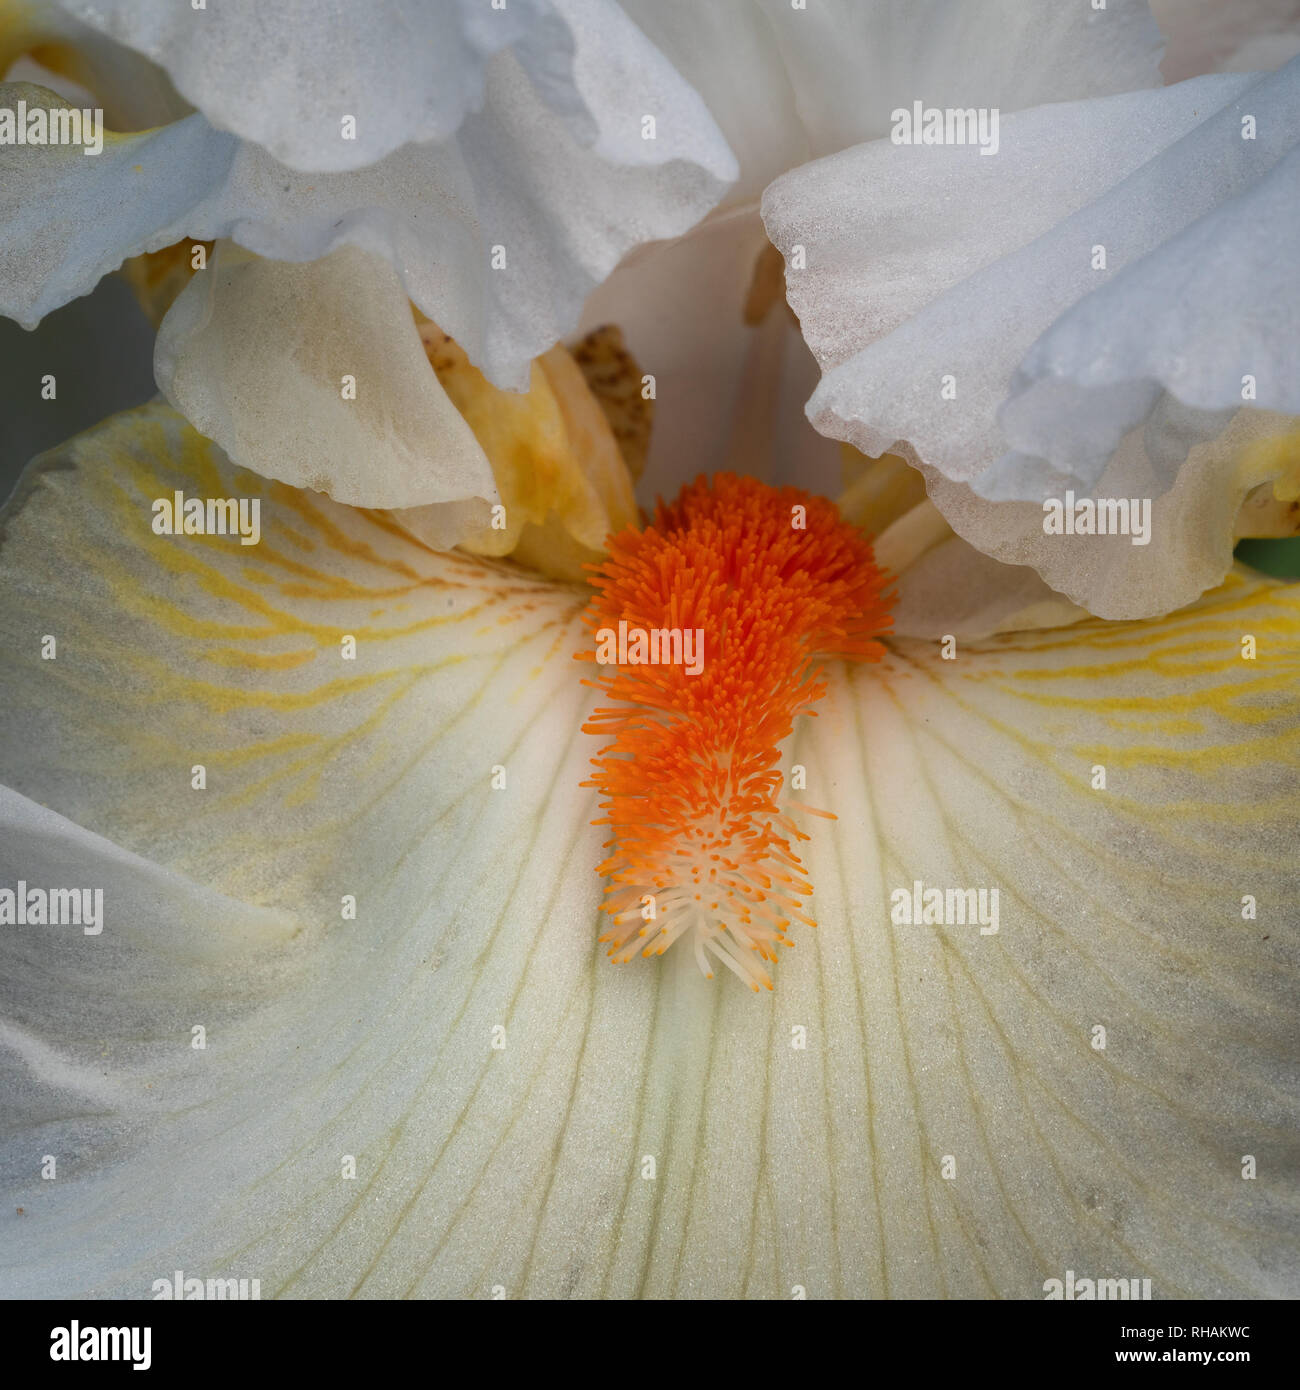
x=721 y=356
x=785 y=84
x=1103 y=1084
x=789 y=83
x=339 y=89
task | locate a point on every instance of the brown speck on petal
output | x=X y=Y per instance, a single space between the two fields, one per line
x=613 y=377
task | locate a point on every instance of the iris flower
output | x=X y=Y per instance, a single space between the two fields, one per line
x=348 y=1028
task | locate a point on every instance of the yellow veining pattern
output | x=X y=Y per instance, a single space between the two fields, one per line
x=1213 y=711
x=260 y=603
x=268 y=620
x=776 y=1167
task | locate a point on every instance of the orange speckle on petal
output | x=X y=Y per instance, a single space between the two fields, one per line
x=771 y=580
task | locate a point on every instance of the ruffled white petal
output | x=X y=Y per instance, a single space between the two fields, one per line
x=947 y=589
x=289 y=76
x=1204 y=319
x=68 y=218
x=974 y=327
x=523 y=1166
x=314 y=374
x=1191 y=533
x=784 y=84
x=909 y=280
x=498 y=235
x=285 y=75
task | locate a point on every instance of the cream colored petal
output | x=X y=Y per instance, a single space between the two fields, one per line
x=521 y=1166
x=1192 y=527
x=947 y=588
x=877 y=492
x=1121 y=908
x=952 y=589
x=325 y=778
x=563 y=483
x=314 y=375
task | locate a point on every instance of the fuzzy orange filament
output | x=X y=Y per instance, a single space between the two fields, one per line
x=772 y=578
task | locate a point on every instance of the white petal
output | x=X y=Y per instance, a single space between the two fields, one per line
x=114 y=986
x=378 y=776
x=958 y=591
x=787 y=84
x=731 y=53
x=285 y=75
x=406 y=71
x=728 y=392
x=1191 y=533
x=1119 y=907
x=1202 y=315
x=522 y=1166
x=498 y=235
x=256 y=355
x=969 y=326
x=947 y=589
x=908 y=281
x=852 y=64
x=68 y=218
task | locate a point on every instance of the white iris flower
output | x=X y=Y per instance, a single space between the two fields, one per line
x=346 y=1028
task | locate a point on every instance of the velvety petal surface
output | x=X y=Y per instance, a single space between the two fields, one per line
x=497 y=1083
